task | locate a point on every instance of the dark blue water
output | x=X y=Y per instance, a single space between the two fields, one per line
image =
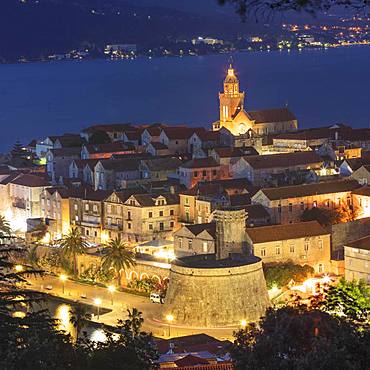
x=320 y=87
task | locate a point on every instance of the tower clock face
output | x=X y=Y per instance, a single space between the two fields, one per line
x=242 y=128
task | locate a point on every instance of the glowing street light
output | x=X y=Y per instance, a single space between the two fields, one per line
x=63 y=278
x=243 y=323
x=169 y=319
x=18 y=268
x=111 y=289
x=97 y=302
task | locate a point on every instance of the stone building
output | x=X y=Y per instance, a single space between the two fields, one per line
x=286 y=204
x=357 y=259
x=240 y=122
x=304 y=243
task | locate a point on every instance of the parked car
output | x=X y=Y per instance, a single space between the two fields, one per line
x=156 y=298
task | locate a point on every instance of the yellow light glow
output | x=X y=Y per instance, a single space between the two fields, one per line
x=169 y=254
x=63 y=315
x=98 y=335
x=18 y=268
x=46 y=239
x=243 y=323
x=104 y=237
x=111 y=288
x=19 y=314
x=63 y=277
x=169 y=318
x=97 y=301
x=230 y=72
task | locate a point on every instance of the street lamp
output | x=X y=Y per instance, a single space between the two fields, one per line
x=18 y=268
x=97 y=302
x=169 y=319
x=243 y=323
x=63 y=278
x=111 y=289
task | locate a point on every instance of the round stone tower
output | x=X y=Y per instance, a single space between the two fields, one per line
x=208 y=292
x=230 y=231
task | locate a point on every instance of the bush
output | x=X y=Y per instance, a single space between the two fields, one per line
x=280 y=274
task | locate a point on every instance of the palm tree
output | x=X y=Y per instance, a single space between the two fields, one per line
x=72 y=245
x=32 y=258
x=5 y=229
x=79 y=317
x=117 y=258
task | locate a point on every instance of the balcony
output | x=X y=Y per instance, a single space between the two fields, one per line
x=90 y=221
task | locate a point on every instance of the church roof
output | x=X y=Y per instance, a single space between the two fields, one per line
x=272 y=115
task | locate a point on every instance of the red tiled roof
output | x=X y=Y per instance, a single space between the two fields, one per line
x=29 y=180
x=106 y=148
x=272 y=115
x=191 y=360
x=363 y=191
x=196 y=229
x=283 y=160
x=182 y=132
x=200 y=163
x=298 y=230
x=109 y=127
x=297 y=191
x=362 y=243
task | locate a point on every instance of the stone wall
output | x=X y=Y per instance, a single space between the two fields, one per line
x=347 y=232
x=216 y=297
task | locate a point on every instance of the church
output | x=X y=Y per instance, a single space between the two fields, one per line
x=238 y=121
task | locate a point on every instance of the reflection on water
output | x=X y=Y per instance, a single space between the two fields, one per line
x=61 y=311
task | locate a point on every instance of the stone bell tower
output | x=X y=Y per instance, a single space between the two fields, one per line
x=230 y=231
x=231 y=100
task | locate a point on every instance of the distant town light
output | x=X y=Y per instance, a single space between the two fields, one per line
x=18 y=268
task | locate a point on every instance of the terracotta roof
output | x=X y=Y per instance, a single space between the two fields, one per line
x=297 y=191
x=106 y=148
x=29 y=180
x=158 y=146
x=273 y=233
x=81 y=163
x=162 y=163
x=240 y=199
x=356 y=163
x=272 y=115
x=365 y=190
x=228 y=152
x=208 y=135
x=133 y=135
x=121 y=165
x=148 y=200
x=73 y=151
x=200 y=163
x=9 y=178
x=283 y=160
x=196 y=229
x=190 y=360
x=70 y=140
x=362 y=243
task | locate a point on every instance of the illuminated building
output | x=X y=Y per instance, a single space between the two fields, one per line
x=240 y=122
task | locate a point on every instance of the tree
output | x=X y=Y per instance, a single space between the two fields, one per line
x=280 y=274
x=73 y=245
x=117 y=257
x=79 y=317
x=17 y=150
x=263 y=8
x=323 y=216
x=133 y=347
x=32 y=257
x=5 y=229
x=299 y=338
x=349 y=298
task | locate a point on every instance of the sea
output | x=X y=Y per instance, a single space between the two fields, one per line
x=322 y=87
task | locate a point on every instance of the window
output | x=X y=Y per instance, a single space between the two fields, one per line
x=306 y=246
x=279 y=208
x=109 y=208
x=290 y=207
x=190 y=244
x=314 y=204
x=160 y=213
x=76 y=218
x=302 y=206
x=278 y=250
x=150 y=214
x=263 y=252
x=205 y=247
x=95 y=233
x=172 y=212
x=150 y=226
x=327 y=203
x=187 y=216
x=76 y=207
x=87 y=232
x=180 y=242
x=129 y=215
x=129 y=225
x=321 y=244
x=87 y=207
x=118 y=221
x=291 y=248
x=161 y=226
x=195 y=173
x=321 y=268
x=172 y=224
x=214 y=172
x=109 y=221
x=204 y=173
x=186 y=200
x=95 y=208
